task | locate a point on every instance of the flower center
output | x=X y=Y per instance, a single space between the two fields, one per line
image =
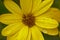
x=29 y=20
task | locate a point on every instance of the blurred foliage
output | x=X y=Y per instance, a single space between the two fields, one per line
x=3 y=10
x=56 y=4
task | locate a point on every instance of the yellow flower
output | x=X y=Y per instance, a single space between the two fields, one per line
x=27 y=22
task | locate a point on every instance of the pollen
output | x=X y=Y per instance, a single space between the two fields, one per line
x=28 y=20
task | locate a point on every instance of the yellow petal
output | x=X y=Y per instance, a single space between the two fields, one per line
x=26 y=5
x=12 y=29
x=29 y=36
x=36 y=34
x=46 y=22
x=53 y=13
x=36 y=4
x=20 y=35
x=12 y=7
x=50 y=31
x=43 y=7
x=9 y=18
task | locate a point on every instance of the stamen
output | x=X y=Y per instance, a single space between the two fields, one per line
x=28 y=20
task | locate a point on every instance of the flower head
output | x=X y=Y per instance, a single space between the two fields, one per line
x=27 y=22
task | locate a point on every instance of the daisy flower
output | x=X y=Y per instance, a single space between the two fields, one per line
x=26 y=22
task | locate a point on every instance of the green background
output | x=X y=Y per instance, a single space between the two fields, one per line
x=3 y=10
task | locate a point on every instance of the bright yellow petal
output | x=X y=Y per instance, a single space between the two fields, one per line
x=20 y=35
x=46 y=22
x=36 y=34
x=29 y=36
x=36 y=4
x=12 y=7
x=53 y=13
x=26 y=5
x=12 y=29
x=43 y=7
x=50 y=31
x=9 y=18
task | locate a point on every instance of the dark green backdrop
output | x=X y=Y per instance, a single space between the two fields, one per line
x=4 y=10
